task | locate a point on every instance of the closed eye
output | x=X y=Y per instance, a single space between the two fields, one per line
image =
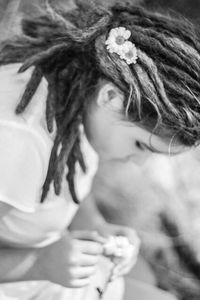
x=140 y=145
x=143 y=147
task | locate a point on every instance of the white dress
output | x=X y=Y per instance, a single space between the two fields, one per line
x=25 y=146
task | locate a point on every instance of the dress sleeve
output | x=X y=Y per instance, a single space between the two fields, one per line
x=21 y=167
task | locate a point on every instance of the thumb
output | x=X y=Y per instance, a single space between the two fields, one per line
x=87 y=235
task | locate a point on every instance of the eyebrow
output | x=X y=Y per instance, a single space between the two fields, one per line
x=153 y=150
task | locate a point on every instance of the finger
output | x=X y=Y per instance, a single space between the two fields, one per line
x=88 y=236
x=123 y=272
x=83 y=260
x=89 y=247
x=123 y=268
x=82 y=272
x=78 y=283
x=88 y=260
x=125 y=263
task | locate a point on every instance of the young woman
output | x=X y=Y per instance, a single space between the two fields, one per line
x=122 y=83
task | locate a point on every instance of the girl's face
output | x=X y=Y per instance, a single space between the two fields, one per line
x=115 y=138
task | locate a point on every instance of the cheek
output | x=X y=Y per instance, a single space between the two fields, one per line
x=120 y=143
x=97 y=135
x=111 y=142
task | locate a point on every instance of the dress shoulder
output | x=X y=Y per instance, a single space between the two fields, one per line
x=21 y=168
x=24 y=145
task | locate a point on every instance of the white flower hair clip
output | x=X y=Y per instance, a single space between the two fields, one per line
x=118 y=43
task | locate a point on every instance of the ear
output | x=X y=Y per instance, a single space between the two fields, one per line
x=109 y=96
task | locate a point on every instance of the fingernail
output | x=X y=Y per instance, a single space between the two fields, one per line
x=99 y=237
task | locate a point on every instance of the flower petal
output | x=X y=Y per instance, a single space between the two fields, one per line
x=118 y=43
x=127 y=34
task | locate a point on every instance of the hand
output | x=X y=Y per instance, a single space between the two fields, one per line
x=72 y=260
x=123 y=264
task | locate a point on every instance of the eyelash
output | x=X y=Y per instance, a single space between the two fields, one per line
x=139 y=145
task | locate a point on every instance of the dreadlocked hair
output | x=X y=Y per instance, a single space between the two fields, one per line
x=68 y=48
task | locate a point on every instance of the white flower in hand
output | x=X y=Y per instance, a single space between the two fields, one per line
x=122 y=247
x=118 y=247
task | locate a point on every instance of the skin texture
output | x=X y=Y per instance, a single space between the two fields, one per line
x=80 y=252
x=70 y=262
x=115 y=138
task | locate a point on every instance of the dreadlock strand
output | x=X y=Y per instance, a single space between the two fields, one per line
x=106 y=64
x=161 y=23
x=51 y=103
x=14 y=49
x=70 y=179
x=175 y=74
x=56 y=16
x=64 y=154
x=30 y=90
x=177 y=92
x=51 y=168
x=140 y=75
x=77 y=154
x=176 y=46
x=186 y=52
x=131 y=82
x=152 y=71
x=85 y=36
x=37 y=59
x=71 y=163
x=144 y=43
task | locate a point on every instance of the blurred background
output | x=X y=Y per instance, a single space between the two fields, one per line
x=161 y=200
